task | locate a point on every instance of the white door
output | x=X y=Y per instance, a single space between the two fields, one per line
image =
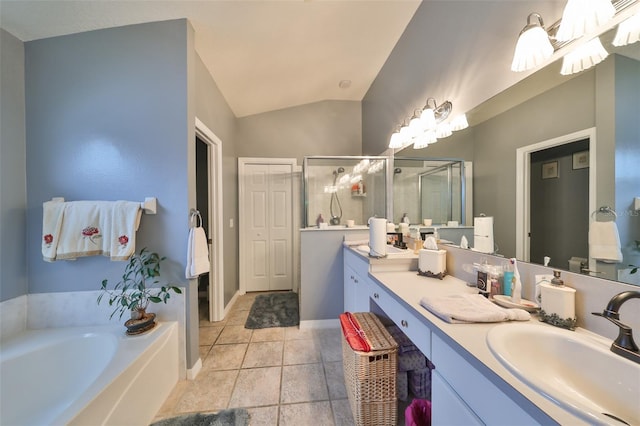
x=266 y=208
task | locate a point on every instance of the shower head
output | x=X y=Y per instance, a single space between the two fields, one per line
x=339 y=170
x=397 y=170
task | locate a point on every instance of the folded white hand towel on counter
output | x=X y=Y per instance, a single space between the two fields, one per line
x=467 y=308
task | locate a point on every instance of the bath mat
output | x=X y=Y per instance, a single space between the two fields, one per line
x=231 y=417
x=274 y=310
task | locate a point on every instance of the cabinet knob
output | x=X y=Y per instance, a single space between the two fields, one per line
x=376 y=295
x=356 y=281
x=351 y=276
x=404 y=323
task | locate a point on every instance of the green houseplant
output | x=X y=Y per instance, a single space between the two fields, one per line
x=136 y=290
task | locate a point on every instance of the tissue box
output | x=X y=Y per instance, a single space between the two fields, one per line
x=433 y=261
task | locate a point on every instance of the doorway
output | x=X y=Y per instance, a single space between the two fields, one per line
x=266 y=228
x=524 y=199
x=208 y=149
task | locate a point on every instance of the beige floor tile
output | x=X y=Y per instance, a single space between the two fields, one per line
x=335 y=380
x=301 y=352
x=237 y=317
x=295 y=333
x=268 y=334
x=342 y=415
x=204 y=351
x=331 y=345
x=310 y=413
x=263 y=416
x=210 y=391
x=263 y=354
x=243 y=303
x=225 y=357
x=234 y=334
x=208 y=335
x=303 y=383
x=168 y=407
x=257 y=387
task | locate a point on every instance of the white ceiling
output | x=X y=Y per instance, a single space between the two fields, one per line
x=266 y=55
x=263 y=55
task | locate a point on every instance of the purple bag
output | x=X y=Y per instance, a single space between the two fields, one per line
x=418 y=413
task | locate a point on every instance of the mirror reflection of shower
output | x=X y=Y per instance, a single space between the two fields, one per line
x=335 y=208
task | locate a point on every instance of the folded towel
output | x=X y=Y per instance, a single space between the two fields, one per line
x=466 y=308
x=51 y=224
x=197 y=253
x=353 y=333
x=604 y=242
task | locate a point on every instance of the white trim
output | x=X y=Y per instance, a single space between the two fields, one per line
x=319 y=324
x=523 y=184
x=192 y=373
x=295 y=201
x=216 y=289
x=232 y=302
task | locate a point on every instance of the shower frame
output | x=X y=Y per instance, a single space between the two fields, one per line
x=449 y=169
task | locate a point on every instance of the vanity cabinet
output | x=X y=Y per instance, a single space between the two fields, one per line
x=356 y=283
x=477 y=396
x=410 y=324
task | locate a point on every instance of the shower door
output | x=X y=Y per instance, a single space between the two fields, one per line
x=441 y=193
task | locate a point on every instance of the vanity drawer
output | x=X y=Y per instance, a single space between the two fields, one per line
x=410 y=325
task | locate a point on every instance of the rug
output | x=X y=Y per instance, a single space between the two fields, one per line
x=231 y=417
x=274 y=310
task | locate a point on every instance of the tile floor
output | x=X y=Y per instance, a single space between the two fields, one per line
x=283 y=376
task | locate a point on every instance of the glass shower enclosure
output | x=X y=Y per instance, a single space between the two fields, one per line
x=341 y=189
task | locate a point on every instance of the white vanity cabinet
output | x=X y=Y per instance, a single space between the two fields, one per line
x=460 y=384
x=356 y=283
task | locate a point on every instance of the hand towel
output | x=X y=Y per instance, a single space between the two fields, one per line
x=604 y=242
x=197 y=253
x=125 y=220
x=467 y=308
x=353 y=333
x=52 y=212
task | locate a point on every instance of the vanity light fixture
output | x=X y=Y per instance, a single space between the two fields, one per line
x=583 y=57
x=581 y=17
x=396 y=139
x=533 y=46
x=628 y=31
x=426 y=139
x=459 y=122
x=443 y=130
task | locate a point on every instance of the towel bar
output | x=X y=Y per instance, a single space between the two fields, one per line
x=149 y=205
x=606 y=210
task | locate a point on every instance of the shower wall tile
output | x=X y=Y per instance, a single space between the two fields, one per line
x=13 y=317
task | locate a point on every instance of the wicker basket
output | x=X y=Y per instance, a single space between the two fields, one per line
x=370 y=377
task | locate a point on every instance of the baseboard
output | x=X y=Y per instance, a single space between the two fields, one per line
x=331 y=323
x=192 y=372
x=231 y=303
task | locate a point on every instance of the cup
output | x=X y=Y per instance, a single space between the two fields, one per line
x=391 y=227
x=427 y=222
x=323 y=225
x=351 y=223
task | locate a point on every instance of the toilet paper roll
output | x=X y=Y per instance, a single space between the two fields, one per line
x=378 y=237
x=483 y=234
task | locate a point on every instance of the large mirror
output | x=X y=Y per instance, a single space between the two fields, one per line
x=510 y=142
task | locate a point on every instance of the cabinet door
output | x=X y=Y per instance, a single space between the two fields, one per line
x=349 y=289
x=361 y=293
x=446 y=406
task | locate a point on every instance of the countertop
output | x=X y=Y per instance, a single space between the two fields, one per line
x=469 y=340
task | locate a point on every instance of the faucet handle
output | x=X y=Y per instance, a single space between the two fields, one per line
x=613 y=320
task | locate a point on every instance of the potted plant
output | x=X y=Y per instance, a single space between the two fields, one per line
x=134 y=291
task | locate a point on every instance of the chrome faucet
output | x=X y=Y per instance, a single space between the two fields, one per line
x=624 y=344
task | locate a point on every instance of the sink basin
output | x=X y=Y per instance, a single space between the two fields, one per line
x=573 y=369
x=391 y=251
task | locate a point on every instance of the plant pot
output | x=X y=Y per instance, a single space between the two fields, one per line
x=139 y=326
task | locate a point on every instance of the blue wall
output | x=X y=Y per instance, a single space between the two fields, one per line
x=108 y=119
x=13 y=190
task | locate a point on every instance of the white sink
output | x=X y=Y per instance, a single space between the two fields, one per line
x=573 y=369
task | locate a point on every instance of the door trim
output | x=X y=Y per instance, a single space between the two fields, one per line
x=523 y=184
x=216 y=288
x=295 y=205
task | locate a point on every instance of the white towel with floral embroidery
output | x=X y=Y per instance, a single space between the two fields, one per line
x=125 y=221
x=52 y=212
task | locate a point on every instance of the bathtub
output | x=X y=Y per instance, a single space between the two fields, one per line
x=87 y=375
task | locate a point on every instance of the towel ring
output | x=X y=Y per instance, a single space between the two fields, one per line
x=195 y=215
x=606 y=210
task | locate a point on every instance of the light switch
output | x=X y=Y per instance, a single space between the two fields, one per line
x=231 y=223
x=636 y=204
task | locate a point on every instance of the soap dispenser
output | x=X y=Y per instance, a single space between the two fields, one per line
x=558 y=303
